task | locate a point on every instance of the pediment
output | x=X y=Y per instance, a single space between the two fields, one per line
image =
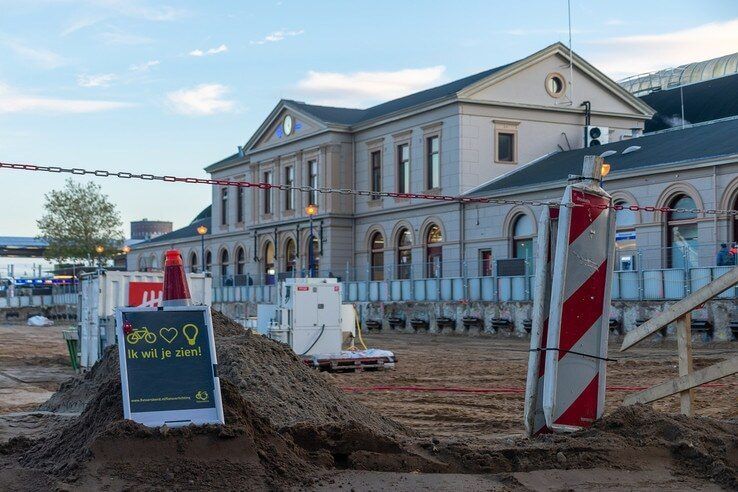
x=525 y=83
x=276 y=131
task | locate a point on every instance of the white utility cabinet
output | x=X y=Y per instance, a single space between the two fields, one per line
x=309 y=315
x=103 y=291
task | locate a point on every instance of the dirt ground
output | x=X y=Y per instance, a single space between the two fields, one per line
x=462 y=395
x=428 y=361
x=33 y=362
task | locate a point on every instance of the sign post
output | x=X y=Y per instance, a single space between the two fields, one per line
x=168 y=366
x=576 y=346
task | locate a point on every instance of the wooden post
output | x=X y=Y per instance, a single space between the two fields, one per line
x=684 y=344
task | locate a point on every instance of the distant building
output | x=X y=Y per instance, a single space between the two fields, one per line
x=148 y=229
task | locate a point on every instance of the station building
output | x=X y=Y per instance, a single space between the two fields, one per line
x=515 y=132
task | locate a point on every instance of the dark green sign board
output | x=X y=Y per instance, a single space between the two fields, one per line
x=168 y=366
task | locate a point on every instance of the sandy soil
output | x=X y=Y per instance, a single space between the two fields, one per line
x=445 y=361
x=469 y=438
x=33 y=361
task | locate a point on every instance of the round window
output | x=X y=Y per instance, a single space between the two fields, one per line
x=555 y=85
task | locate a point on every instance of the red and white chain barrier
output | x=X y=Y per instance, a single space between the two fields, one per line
x=101 y=173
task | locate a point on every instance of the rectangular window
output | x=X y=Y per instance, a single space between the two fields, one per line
x=268 y=193
x=505 y=147
x=239 y=203
x=289 y=194
x=376 y=173
x=224 y=206
x=433 y=161
x=403 y=168
x=485 y=262
x=313 y=181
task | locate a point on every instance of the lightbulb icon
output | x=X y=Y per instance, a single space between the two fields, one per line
x=190 y=332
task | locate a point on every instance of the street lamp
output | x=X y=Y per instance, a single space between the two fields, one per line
x=202 y=230
x=126 y=250
x=311 y=210
x=99 y=249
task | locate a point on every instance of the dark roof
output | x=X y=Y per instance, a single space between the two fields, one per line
x=206 y=212
x=692 y=143
x=190 y=230
x=351 y=116
x=330 y=114
x=703 y=101
x=228 y=160
x=22 y=242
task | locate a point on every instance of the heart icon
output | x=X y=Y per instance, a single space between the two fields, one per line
x=168 y=334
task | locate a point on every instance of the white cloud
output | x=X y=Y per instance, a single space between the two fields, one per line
x=119 y=37
x=204 y=99
x=278 y=36
x=12 y=101
x=37 y=56
x=631 y=55
x=81 y=23
x=212 y=51
x=99 y=80
x=143 y=67
x=139 y=10
x=362 y=88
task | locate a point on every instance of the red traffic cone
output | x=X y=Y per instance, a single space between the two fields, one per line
x=176 y=290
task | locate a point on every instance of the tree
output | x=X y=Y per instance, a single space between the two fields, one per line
x=77 y=219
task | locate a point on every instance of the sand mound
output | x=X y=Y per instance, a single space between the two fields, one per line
x=268 y=374
x=705 y=447
x=286 y=422
x=266 y=390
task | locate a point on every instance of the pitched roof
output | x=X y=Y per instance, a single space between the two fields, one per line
x=350 y=116
x=190 y=230
x=704 y=101
x=693 y=143
x=231 y=159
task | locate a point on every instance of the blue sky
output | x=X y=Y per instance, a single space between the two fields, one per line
x=169 y=88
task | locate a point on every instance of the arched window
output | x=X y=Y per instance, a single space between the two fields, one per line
x=434 y=252
x=625 y=236
x=240 y=261
x=376 y=245
x=522 y=244
x=153 y=263
x=314 y=256
x=269 y=268
x=208 y=261
x=290 y=257
x=681 y=233
x=193 y=262
x=735 y=220
x=141 y=264
x=404 y=253
x=225 y=269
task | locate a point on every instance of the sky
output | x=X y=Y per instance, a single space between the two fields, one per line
x=169 y=88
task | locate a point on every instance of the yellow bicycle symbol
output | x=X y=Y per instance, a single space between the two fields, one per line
x=202 y=396
x=140 y=334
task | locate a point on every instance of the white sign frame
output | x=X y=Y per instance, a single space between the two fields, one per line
x=171 y=418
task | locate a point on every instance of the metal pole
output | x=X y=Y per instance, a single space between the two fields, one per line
x=310 y=249
x=202 y=251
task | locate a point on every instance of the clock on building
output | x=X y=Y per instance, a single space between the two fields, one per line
x=287 y=125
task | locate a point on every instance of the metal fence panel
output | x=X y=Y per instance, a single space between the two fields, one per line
x=674 y=284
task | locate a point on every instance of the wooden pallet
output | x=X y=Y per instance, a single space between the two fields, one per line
x=352 y=365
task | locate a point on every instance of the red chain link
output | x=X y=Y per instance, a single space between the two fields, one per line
x=101 y=173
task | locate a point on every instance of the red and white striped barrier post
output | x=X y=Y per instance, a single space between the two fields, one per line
x=576 y=348
x=535 y=421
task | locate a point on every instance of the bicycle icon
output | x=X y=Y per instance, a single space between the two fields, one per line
x=140 y=334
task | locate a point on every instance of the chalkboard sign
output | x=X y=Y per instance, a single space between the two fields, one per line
x=168 y=366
